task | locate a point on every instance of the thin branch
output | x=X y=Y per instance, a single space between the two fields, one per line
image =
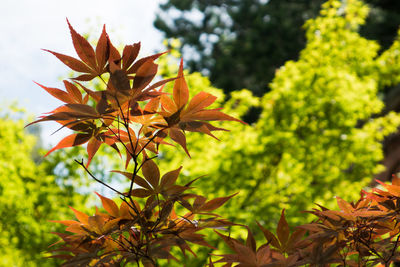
x=395 y=247
x=135 y=171
x=120 y=140
x=150 y=140
x=97 y=180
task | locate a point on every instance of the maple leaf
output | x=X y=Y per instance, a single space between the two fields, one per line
x=202 y=206
x=89 y=236
x=152 y=185
x=132 y=144
x=284 y=242
x=149 y=120
x=184 y=115
x=88 y=133
x=92 y=63
x=247 y=254
x=109 y=205
x=392 y=189
x=71 y=96
x=119 y=88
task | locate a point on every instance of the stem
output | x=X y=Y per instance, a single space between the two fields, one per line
x=126 y=121
x=97 y=180
x=119 y=139
x=134 y=145
x=150 y=140
x=395 y=247
x=373 y=251
x=101 y=78
x=136 y=169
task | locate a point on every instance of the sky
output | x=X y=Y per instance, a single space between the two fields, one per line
x=27 y=26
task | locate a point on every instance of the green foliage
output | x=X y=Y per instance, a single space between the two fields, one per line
x=29 y=198
x=315 y=138
x=389 y=65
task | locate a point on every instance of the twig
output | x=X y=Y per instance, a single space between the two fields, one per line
x=97 y=180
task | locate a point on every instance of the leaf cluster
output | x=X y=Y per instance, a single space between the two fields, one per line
x=134 y=117
x=364 y=233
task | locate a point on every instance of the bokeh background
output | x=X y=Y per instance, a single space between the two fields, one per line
x=317 y=81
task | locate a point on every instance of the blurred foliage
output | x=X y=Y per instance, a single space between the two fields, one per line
x=30 y=196
x=316 y=137
x=223 y=38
